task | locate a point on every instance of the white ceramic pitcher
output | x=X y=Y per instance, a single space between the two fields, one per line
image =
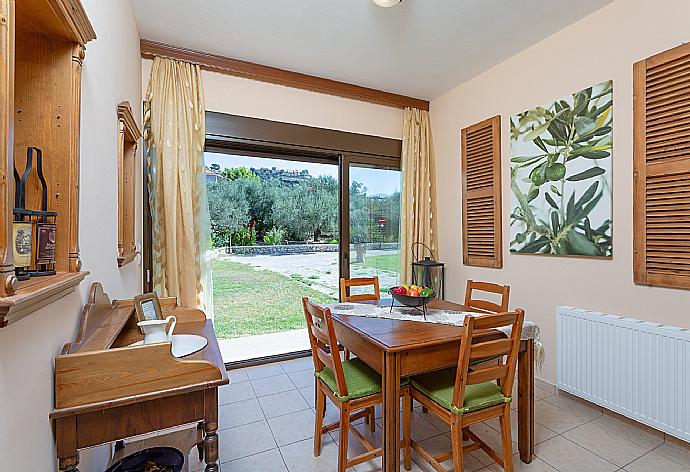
x=154 y=330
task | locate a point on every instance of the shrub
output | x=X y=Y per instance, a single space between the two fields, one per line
x=275 y=236
x=244 y=237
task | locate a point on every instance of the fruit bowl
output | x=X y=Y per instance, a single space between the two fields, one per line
x=411 y=301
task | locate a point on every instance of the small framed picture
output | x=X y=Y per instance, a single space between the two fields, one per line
x=148 y=307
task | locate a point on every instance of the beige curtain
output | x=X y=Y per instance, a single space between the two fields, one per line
x=175 y=129
x=418 y=200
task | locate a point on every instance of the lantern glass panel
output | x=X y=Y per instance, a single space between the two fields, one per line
x=429 y=273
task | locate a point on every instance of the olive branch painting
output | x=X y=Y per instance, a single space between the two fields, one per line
x=560 y=176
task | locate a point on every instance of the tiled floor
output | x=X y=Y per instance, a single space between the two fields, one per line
x=266 y=420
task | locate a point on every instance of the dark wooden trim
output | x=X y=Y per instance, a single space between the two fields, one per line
x=252 y=132
x=274 y=75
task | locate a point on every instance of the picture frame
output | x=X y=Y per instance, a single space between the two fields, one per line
x=148 y=307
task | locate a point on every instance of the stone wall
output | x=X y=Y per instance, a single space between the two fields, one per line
x=282 y=249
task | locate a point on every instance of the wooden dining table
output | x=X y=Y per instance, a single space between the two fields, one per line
x=398 y=349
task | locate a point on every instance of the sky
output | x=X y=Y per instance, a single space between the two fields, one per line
x=377 y=181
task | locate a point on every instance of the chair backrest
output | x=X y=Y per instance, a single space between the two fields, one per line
x=359 y=282
x=324 y=345
x=473 y=347
x=503 y=290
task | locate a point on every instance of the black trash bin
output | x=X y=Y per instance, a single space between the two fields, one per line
x=168 y=459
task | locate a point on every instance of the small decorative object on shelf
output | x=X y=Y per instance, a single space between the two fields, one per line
x=428 y=272
x=25 y=220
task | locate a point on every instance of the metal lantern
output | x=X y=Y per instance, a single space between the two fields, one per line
x=428 y=272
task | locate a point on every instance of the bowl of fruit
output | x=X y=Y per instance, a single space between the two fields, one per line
x=412 y=295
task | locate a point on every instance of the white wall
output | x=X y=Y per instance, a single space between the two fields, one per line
x=599 y=47
x=246 y=97
x=112 y=73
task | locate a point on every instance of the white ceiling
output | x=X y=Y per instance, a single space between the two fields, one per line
x=420 y=48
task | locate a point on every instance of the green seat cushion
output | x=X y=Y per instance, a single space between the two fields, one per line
x=361 y=380
x=439 y=387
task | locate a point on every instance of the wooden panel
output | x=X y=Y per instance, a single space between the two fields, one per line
x=235 y=67
x=128 y=139
x=481 y=194
x=101 y=376
x=661 y=230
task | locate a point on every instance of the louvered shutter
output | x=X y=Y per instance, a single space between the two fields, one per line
x=481 y=194
x=662 y=169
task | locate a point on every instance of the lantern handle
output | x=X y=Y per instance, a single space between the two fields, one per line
x=415 y=256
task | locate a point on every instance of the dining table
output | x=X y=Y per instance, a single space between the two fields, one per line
x=400 y=348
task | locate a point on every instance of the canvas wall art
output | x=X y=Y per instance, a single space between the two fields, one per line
x=560 y=176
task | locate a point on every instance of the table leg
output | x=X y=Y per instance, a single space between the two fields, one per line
x=211 y=446
x=66 y=443
x=69 y=464
x=391 y=412
x=526 y=401
x=210 y=430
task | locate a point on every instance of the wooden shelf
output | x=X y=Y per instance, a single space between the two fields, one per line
x=42 y=45
x=36 y=293
x=127 y=143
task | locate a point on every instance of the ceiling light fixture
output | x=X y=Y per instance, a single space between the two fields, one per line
x=387 y=3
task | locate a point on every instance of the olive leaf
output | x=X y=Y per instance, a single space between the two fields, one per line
x=587 y=174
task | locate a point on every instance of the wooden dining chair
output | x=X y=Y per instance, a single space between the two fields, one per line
x=352 y=386
x=360 y=297
x=461 y=397
x=359 y=282
x=471 y=301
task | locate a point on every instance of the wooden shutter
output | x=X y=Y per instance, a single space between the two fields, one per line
x=661 y=186
x=481 y=194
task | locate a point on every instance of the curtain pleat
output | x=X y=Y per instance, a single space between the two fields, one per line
x=418 y=199
x=175 y=130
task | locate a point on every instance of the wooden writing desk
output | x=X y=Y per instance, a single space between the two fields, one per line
x=106 y=391
x=397 y=349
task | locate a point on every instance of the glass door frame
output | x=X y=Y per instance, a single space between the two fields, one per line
x=347 y=160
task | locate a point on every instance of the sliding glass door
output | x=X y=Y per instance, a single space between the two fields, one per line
x=371 y=216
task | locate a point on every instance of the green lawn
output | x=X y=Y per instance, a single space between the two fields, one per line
x=389 y=262
x=248 y=301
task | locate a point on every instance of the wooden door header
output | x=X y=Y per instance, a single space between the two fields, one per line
x=274 y=75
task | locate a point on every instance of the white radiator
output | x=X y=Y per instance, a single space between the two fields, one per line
x=636 y=368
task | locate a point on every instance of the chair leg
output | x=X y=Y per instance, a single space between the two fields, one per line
x=371 y=419
x=456 y=444
x=343 y=436
x=346 y=354
x=318 y=419
x=506 y=439
x=406 y=427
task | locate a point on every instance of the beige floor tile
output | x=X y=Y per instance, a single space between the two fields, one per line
x=295 y=365
x=302 y=378
x=579 y=408
x=652 y=462
x=435 y=420
x=439 y=445
x=537 y=465
x=491 y=437
x=271 y=385
x=299 y=456
x=308 y=395
x=541 y=433
x=640 y=435
x=235 y=393
x=603 y=443
x=282 y=403
x=675 y=453
x=539 y=394
x=265 y=370
x=238 y=375
x=239 y=413
x=269 y=461
x=292 y=427
x=566 y=456
x=555 y=418
x=245 y=440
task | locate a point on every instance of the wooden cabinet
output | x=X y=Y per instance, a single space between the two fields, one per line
x=42 y=45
